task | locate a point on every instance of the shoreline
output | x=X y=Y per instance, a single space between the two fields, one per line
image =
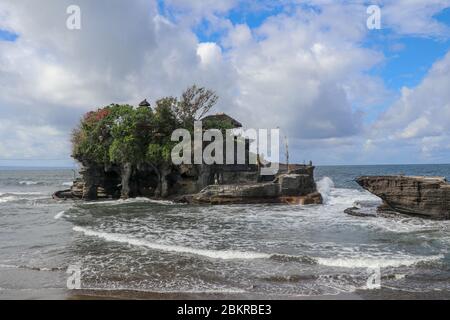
x=96 y=294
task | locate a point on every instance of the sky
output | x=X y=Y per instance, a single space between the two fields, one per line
x=340 y=92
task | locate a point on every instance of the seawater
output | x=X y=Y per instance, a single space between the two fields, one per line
x=141 y=245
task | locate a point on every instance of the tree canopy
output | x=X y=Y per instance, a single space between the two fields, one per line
x=118 y=134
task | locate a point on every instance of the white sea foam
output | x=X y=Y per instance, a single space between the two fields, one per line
x=59 y=215
x=195 y=291
x=128 y=201
x=18 y=196
x=67 y=184
x=324 y=186
x=8 y=199
x=163 y=202
x=215 y=254
x=408 y=225
x=372 y=262
x=21 y=194
x=30 y=183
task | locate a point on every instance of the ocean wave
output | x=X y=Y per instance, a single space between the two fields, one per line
x=128 y=201
x=59 y=215
x=290 y=278
x=112 y=288
x=291 y=258
x=406 y=225
x=48 y=269
x=7 y=199
x=67 y=184
x=21 y=196
x=30 y=183
x=374 y=262
x=162 y=202
x=214 y=254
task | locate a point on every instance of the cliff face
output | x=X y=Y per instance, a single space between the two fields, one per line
x=127 y=181
x=212 y=184
x=424 y=196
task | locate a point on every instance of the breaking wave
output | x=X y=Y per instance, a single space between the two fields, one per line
x=21 y=196
x=371 y=262
x=48 y=269
x=30 y=183
x=214 y=254
x=59 y=215
x=128 y=201
x=324 y=186
x=291 y=258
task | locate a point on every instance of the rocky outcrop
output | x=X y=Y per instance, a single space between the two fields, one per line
x=287 y=188
x=423 y=196
x=196 y=184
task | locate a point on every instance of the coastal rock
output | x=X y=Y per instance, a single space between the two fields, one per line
x=222 y=194
x=421 y=196
x=288 y=188
x=137 y=162
x=357 y=212
x=296 y=184
x=195 y=184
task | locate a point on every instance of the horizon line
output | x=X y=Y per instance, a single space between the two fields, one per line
x=316 y=165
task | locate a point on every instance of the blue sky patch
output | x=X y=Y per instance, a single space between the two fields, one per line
x=8 y=36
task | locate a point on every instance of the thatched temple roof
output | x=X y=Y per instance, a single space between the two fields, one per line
x=222 y=117
x=144 y=103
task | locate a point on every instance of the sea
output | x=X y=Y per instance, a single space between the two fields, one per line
x=149 y=249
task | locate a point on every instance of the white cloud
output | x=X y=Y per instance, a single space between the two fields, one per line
x=423 y=111
x=303 y=70
x=416 y=17
x=210 y=53
x=300 y=78
x=421 y=116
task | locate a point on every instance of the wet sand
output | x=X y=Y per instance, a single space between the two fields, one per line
x=383 y=294
x=137 y=295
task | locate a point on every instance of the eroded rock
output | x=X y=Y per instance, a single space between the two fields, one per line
x=423 y=196
x=288 y=188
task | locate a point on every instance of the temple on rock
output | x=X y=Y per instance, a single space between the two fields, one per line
x=124 y=152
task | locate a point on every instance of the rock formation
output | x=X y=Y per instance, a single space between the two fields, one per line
x=199 y=184
x=202 y=183
x=126 y=152
x=422 y=196
x=287 y=188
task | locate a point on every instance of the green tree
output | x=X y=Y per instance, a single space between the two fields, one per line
x=127 y=137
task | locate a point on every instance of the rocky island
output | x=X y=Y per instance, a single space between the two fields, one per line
x=421 y=196
x=125 y=152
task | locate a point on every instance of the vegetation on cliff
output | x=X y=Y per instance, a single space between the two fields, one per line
x=127 y=137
